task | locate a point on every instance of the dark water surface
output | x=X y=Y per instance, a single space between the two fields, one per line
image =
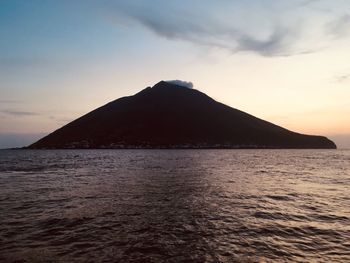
x=175 y=206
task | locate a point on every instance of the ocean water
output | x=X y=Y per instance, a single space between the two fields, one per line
x=175 y=206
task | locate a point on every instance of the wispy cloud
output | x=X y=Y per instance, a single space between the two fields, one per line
x=339 y=27
x=19 y=113
x=204 y=29
x=10 y=101
x=342 y=78
x=270 y=29
x=278 y=43
x=309 y=2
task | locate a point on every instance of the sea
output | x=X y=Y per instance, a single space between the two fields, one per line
x=175 y=206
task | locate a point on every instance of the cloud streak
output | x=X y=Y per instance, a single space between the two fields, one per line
x=19 y=113
x=188 y=25
x=340 y=26
x=10 y=101
x=268 y=30
x=342 y=78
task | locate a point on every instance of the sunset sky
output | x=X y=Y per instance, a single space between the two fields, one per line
x=287 y=62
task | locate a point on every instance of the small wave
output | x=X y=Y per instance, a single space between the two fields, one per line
x=279 y=197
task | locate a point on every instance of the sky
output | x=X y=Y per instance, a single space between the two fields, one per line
x=283 y=61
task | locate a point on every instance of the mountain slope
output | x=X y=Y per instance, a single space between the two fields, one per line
x=171 y=116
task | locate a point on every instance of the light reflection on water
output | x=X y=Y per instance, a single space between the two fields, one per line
x=175 y=206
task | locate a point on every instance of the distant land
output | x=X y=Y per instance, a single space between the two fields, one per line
x=170 y=115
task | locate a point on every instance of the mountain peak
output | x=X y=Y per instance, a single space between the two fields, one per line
x=169 y=115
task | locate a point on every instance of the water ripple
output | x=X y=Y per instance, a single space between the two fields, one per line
x=175 y=206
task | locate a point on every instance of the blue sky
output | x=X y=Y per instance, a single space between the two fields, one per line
x=283 y=61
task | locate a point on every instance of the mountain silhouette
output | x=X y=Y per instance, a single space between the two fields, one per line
x=171 y=116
